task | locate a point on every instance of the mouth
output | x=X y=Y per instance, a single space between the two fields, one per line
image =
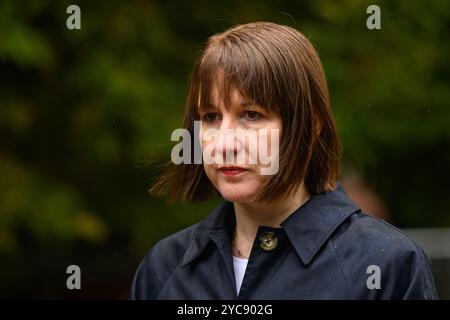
x=232 y=170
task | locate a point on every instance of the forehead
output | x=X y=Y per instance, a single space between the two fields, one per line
x=221 y=93
x=235 y=97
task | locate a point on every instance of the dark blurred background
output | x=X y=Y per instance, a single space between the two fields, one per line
x=82 y=112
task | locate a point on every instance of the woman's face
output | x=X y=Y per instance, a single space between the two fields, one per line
x=236 y=148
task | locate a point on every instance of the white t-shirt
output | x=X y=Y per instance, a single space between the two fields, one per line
x=239 y=270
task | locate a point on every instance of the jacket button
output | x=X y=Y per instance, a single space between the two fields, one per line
x=268 y=241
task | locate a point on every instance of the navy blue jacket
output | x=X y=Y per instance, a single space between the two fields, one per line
x=326 y=249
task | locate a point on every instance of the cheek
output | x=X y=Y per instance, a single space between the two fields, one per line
x=207 y=137
x=211 y=173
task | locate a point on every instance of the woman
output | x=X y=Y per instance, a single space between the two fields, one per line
x=286 y=233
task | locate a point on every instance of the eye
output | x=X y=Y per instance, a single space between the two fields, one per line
x=251 y=115
x=211 y=117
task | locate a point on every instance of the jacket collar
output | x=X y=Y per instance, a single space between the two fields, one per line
x=307 y=228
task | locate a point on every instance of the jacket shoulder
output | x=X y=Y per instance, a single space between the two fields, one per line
x=364 y=243
x=374 y=233
x=159 y=263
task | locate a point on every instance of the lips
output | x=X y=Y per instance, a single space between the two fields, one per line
x=232 y=170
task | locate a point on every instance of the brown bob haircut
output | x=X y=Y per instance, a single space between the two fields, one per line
x=277 y=68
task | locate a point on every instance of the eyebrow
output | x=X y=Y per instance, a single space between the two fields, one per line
x=246 y=103
x=243 y=104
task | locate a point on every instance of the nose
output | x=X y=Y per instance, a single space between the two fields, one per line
x=228 y=144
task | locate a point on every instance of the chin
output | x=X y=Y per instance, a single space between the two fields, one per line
x=237 y=194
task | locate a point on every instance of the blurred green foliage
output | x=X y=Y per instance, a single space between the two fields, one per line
x=82 y=111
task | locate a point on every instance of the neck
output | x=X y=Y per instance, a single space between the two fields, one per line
x=250 y=216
